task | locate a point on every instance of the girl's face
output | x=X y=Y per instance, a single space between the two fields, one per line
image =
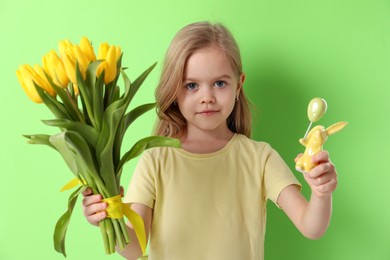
x=209 y=91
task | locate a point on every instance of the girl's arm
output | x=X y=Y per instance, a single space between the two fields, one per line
x=312 y=217
x=94 y=211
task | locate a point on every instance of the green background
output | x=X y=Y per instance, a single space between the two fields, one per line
x=292 y=51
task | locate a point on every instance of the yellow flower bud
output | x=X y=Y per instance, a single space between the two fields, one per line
x=110 y=69
x=103 y=49
x=42 y=81
x=28 y=75
x=53 y=66
x=110 y=55
x=118 y=52
x=87 y=49
x=69 y=62
x=64 y=45
x=81 y=59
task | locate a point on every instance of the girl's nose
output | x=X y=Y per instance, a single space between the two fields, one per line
x=207 y=96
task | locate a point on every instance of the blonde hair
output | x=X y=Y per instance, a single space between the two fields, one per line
x=188 y=40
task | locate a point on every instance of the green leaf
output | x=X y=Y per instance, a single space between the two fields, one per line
x=68 y=100
x=55 y=107
x=90 y=78
x=127 y=121
x=136 y=112
x=146 y=143
x=80 y=158
x=86 y=96
x=60 y=143
x=138 y=82
x=69 y=103
x=111 y=93
x=39 y=139
x=86 y=131
x=96 y=87
x=98 y=104
x=104 y=148
x=63 y=222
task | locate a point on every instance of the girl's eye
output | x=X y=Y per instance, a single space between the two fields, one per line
x=191 y=86
x=220 y=83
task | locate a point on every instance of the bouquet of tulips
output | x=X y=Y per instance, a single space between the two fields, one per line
x=91 y=114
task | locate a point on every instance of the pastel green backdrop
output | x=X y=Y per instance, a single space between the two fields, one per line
x=292 y=51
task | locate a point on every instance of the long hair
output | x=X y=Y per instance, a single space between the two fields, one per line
x=188 y=40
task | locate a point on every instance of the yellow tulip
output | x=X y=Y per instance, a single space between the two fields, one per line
x=70 y=55
x=87 y=49
x=81 y=58
x=42 y=80
x=103 y=49
x=69 y=62
x=64 y=45
x=28 y=75
x=110 y=55
x=53 y=66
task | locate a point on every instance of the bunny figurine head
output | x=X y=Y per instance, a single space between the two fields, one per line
x=314 y=143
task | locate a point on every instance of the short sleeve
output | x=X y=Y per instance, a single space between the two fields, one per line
x=277 y=175
x=142 y=188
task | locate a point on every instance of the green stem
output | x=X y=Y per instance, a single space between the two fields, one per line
x=75 y=107
x=102 y=225
x=118 y=233
x=111 y=235
x=124 y=230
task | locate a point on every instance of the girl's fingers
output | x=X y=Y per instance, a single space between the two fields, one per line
x=91 y=199
x=322 y=169
x=298 y=156
x=323 y=179
x=94 y=208
x=328 y=187
x=87 y=192
x=320 y=157
x=96 y=218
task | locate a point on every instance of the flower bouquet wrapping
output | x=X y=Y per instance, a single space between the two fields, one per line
x=91 y=114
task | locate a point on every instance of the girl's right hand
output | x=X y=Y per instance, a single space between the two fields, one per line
x=93 y=207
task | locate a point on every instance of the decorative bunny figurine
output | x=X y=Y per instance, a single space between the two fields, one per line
x=314 y=142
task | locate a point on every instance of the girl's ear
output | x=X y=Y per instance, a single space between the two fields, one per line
x=240 y=83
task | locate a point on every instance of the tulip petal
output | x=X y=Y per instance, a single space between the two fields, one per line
x=103 y=49
x=111 y=68
x=25 y=80
x=70 y=66
x=54 y=67
x=64 y=45
x=87 y=49
x=41 y=79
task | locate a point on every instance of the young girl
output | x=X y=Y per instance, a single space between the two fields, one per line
x=207 y=200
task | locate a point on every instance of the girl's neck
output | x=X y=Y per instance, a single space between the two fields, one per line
x=205 y=141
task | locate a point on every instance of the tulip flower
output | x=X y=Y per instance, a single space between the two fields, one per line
x=72 y=54
x=28 y=75
x=87 y=49
x=64 y=45
x=103 y=49
x=54 y=67
x=110 y=55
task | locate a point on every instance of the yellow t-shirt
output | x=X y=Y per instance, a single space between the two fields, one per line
x=209 y=206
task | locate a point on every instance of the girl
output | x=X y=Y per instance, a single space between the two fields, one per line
x=207 y=200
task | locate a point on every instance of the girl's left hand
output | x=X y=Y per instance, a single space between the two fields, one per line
x=323 y=177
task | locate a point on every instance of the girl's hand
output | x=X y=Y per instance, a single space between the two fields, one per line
x=93 y=207
x=323 y=177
